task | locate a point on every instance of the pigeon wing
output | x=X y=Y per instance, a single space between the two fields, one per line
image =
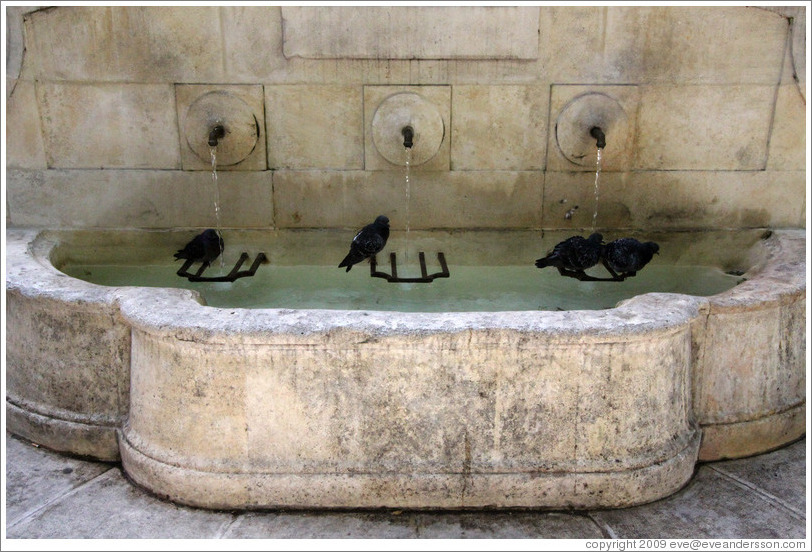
x=195 y=249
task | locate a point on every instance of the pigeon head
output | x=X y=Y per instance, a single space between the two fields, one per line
x=382 y=220
x=210 y=234
x=596 y=238
x=653 y=247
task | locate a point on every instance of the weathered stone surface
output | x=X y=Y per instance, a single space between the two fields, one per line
x=574 y=110
x=449 y=410
x=252 y=37
x=67 y=359
x=753 y=435
x=136 y=44
x=14 y=41
x=391 y=410
x=336 y=525
x=411 y=33
x=109 y=126
x=74 y=43
x=24 y=146
x=708 y=108
x=775 y=474
x=314 y=127
x=704 y=128
x=754 y=333
x=499 y=127
x=788 y=137
x=659 y=200
x=513 y=525
x=438 y=96
x=139 y=199
x=239 y=109
x=764 y=482
x=711 y=506
x=432 y=199
x=798 y=48
x=714 y=45
x=593 y=44
x=407 y=118
x=137 y=515
x=34 y=476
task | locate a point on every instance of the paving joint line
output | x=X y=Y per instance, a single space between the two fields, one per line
x=224 y=531
x=31 y=513
x=801 y=516
x=603 y=526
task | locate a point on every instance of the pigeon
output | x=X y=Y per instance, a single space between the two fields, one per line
x=366 y=243
x=574 y=255
x=625 y=256
x=205 y=247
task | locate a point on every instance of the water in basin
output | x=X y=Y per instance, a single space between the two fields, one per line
x=303 y=280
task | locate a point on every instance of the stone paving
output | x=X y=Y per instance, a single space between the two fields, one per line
x=55 y=496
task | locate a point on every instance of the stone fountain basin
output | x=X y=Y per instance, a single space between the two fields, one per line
x=265 y=408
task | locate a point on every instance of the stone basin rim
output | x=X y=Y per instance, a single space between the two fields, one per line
x=174 y=309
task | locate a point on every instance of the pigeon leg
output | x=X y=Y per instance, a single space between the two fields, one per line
x=203 y=267
x=614 y=274
x=584 y=277
x=182 y=272
x=581 y=275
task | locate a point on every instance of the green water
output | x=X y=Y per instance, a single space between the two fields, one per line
x=470 y=288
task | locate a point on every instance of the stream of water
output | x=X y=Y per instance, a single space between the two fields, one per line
x=597 y=178
x=216 y=186
x=408 y=187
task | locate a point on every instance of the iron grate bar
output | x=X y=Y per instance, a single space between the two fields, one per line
x=393 y=276
x=230 y=277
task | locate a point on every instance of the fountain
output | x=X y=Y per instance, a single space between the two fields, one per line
x=499 y=386
x=557 y=407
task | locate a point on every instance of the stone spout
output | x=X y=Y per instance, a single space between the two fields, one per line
x=598 y=134
x=408 y=136
x=216 y=133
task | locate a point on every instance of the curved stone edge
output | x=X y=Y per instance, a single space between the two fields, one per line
x=91 y=440
x=176 y=431
x=67 y=352
x=67 y=355
x=556 y=490
x=764 y=320
x=172 y=315
x=737 y=440
x=779 y=277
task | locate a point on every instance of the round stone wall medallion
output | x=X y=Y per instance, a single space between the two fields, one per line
x=236 y=117
x=407 y=109
x=579 y=116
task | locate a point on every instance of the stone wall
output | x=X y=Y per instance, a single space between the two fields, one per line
x=706 y=125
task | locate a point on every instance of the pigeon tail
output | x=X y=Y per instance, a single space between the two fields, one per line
x=353 y=257
x=545 y=261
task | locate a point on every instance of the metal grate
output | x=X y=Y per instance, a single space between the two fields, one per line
x=230 y=277
x=424 y=278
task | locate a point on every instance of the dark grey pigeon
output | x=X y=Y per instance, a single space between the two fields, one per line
x=369 y=241
x=625 y=256
x=574 y=255
x=205 y=247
